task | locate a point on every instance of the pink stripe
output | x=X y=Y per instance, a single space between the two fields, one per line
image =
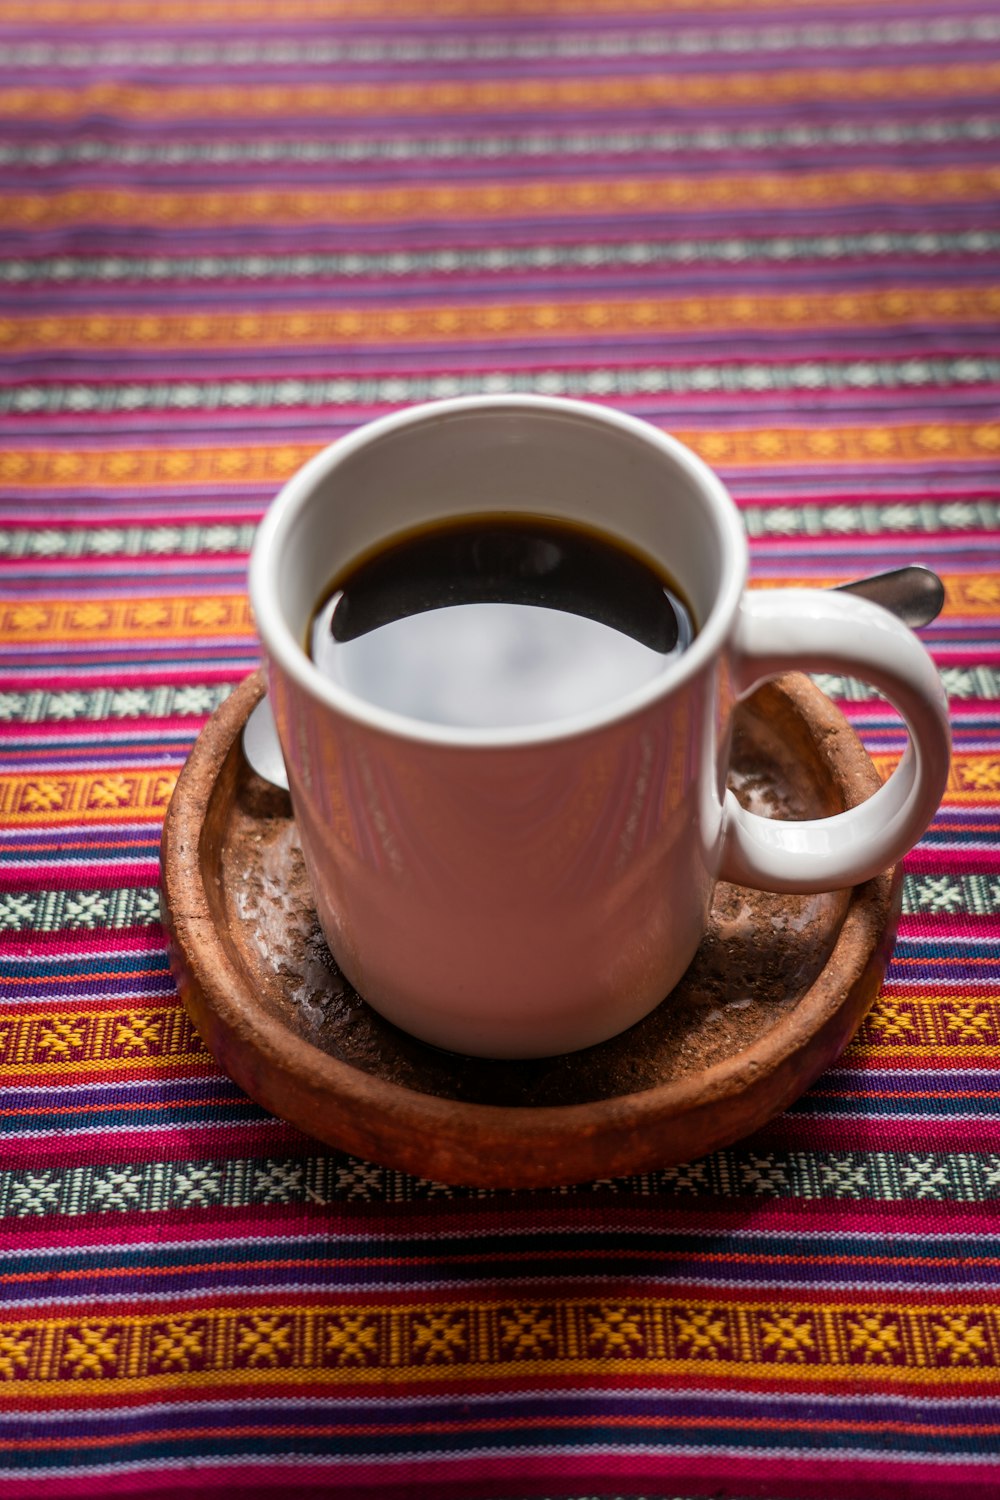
x=937 y=861
x=985 y=986
x=928 y=924
x=134 y=674
x=120 y=941
x=256 y=1137
x=866 y=1054
x=153 y=515
x=867 y=1131
x=964 y=709
x=108 y=1145
x=22 y=876
x=818 y=1477
x=143 y=727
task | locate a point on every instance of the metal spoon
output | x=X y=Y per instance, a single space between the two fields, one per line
x=914 y=594
x=261 y=746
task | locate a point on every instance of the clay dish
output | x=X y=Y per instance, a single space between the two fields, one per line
x=776 y=991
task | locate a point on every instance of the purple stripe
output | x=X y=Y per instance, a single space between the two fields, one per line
x=902 y=216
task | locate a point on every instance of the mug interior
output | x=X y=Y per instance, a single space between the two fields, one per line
x=489 y=456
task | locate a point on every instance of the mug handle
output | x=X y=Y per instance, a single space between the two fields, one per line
x=818 y=630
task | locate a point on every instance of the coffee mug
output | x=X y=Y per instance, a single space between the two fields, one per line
x=525 y=891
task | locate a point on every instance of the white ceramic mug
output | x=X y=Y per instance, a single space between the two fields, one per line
x=521 y=892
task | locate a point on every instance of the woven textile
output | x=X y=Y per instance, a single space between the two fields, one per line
x=234 y=229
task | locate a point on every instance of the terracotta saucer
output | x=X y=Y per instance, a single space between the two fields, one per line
x=776 y=991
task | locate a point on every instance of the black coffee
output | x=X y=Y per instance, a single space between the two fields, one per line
x=498 y=622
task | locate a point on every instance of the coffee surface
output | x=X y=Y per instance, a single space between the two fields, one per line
x=498 y=622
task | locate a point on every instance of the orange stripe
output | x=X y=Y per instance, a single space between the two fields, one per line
x=920 y=1052
x=966 y=595
x=774 y=1339
x=311 y=327
x=521 y=200
x=728 y=448
x=91 y=797
x=137 y=1040
x=974 y=778
x=971 y=777
x=505 y=95
x=47 y=620
x=892 y=998
x=43 y=621
x=85 y=797
x=164 y=12
x=193 y=1065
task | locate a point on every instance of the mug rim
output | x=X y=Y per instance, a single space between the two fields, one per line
x=284 y=650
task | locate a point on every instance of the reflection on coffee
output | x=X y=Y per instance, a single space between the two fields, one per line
x=498 y=622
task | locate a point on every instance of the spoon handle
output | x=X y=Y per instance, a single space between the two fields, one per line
x=915 y=594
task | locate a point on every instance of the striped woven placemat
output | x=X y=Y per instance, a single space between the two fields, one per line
x=234 y=230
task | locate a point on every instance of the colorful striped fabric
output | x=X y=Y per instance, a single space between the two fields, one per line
x=232 y=230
